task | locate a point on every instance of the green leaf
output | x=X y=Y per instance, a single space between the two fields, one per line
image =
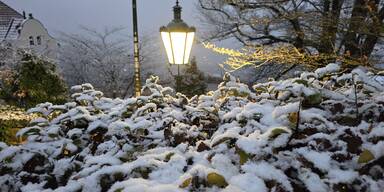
x=217 y=180
x=302 y=81
x=142 y=171
x=293 y=119
x=220 y=141
x=312 y=100
x=257 y=116
x=127 y=114
x=365 y=156
x=243 y=155
x=141 y=132
x=277 y=131
x=261 y=89
x=169 y=156
x=29 y=131
x=186 y=183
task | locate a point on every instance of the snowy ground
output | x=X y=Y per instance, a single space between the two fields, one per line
x=305 y=134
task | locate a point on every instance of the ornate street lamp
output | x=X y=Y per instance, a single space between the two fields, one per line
x=178 y=38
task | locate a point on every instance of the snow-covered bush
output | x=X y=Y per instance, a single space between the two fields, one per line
x=323 y=131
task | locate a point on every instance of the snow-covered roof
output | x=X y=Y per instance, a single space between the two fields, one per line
x=11 y=31
x=10 y=19
x=7 y=14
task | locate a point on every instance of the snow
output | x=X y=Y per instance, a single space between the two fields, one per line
x=377 y=131
x=53 y=130
x=27 y=130
x=224 y=165
x=96 y=124
x=102 y=160
x=377 y=149
x=282 y=110
x=61 y=166
x=3 y=145
x=266 y=171
x=74 y=133
x=330 y=68
x=342 y=176
x=321 y=160
x=163 y=140
x=39 y=120
x=8 y=152
x=30 y=187
x=144 y=185
x=247 y=183
x=380 y=79
x=312 y=181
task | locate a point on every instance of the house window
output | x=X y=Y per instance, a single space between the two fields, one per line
x=38 y=39
x=31 y=40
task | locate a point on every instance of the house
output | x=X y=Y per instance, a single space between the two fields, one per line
x=23 y=32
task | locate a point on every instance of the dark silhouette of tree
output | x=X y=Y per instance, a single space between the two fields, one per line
x=192 y=81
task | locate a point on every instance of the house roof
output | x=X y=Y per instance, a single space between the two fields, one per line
x=10 y=19
x=7 y=14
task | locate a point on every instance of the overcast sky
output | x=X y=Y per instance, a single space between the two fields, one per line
x=67 y=15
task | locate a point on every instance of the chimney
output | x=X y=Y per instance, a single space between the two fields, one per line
x=24 y=16
x=30 y=16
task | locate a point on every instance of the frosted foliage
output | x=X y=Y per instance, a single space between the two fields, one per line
x=301 y=134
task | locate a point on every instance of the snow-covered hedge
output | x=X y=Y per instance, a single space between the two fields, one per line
x=303 y=134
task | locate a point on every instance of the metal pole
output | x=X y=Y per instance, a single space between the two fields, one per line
x=178 y=82
x=136 y=50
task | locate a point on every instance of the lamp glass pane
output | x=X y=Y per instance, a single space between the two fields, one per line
x=167 y=44
x=188 y=47
x=178 y=40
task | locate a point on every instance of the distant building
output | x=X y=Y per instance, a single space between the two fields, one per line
x=27 y=33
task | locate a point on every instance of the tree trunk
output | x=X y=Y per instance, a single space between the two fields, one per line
x=374 y=29
x=330 y=24
x=299 y=40
x=359 y=13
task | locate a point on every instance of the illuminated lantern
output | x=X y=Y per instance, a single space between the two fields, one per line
x=178 y=38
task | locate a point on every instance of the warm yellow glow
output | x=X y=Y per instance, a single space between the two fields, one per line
x=167 y=44
x=178 y=46
x=178 y=40
x=285 y=54
x=188 y=47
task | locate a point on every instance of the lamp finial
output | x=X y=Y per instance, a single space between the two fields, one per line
x=177 y=11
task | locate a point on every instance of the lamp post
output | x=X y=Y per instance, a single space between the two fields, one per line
x=178 y=39
x=137 y=79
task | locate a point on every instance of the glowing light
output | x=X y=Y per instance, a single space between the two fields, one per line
x=178 y=46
